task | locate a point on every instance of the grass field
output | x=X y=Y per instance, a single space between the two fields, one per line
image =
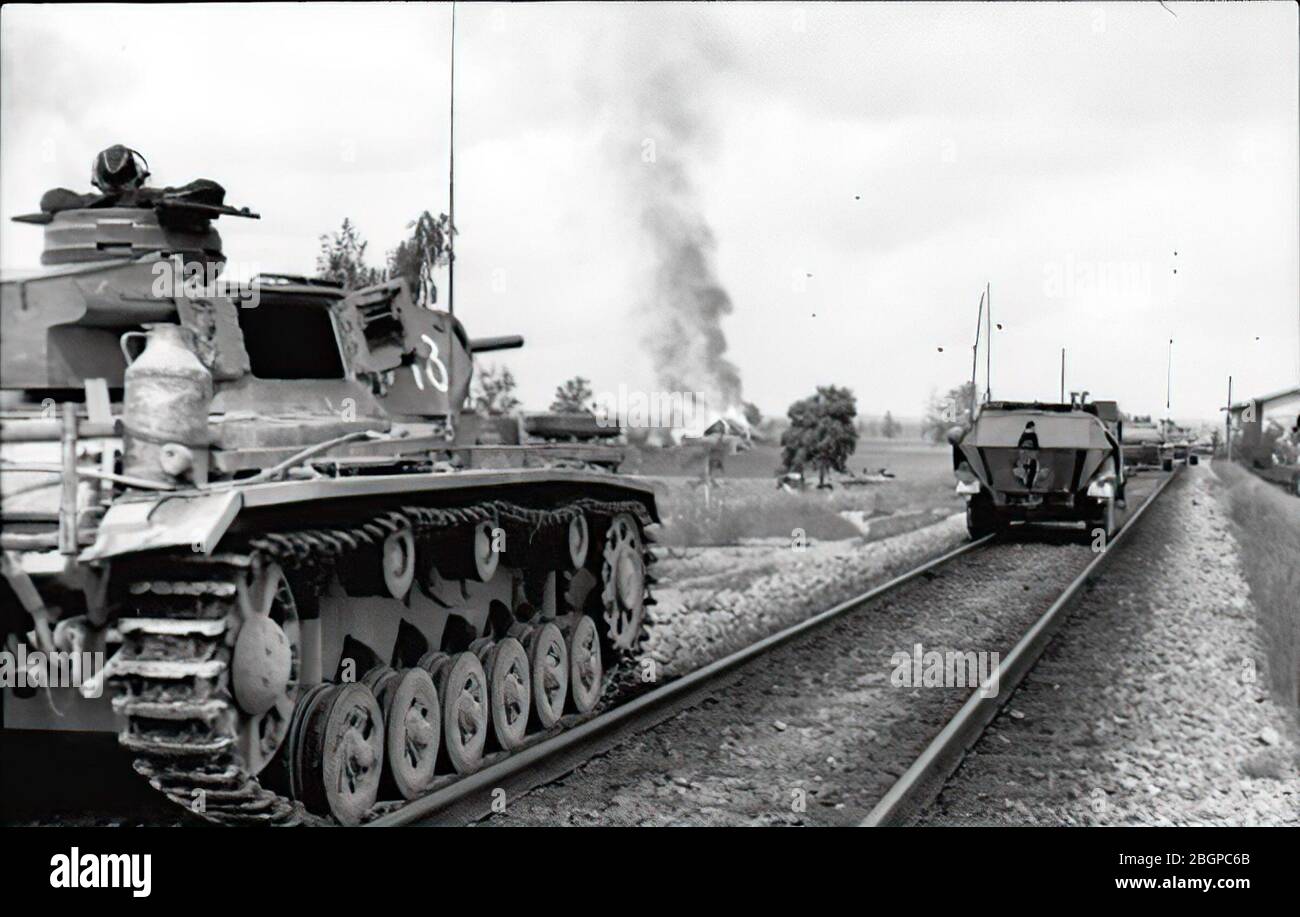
x=1268 y=529
x=763 y=460
x=744 y=503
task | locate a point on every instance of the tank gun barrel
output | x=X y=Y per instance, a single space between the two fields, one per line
x=500 y=342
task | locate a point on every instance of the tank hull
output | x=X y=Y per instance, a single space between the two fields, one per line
x=183 y=570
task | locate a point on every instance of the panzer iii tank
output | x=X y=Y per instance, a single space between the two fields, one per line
x=1038 y=462
x=317 y=581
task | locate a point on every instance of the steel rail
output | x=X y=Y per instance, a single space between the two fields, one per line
x=923 y=780
x=570 y=744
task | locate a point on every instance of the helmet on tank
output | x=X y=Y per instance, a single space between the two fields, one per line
x=118 y=168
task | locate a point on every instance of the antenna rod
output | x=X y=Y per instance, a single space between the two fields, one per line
x=975 y=360
x=451 y=176
x=1062 y=375
x=988 y=346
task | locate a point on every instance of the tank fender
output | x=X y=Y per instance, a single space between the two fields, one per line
x=174 y=520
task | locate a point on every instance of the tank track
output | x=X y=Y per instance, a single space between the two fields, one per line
x=171 y=672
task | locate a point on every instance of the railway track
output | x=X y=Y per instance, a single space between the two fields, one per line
x=549 y=759
x=923 y=780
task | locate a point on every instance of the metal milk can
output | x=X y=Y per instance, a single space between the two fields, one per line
x=165 y=414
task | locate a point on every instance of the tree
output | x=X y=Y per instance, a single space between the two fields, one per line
x=822 y=432
x=946 y=412
x=415 y=258
x=494 y=391
x=889 y=427
x=342 y=259
x=573 y=397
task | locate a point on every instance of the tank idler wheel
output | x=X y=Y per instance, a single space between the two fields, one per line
x=510 y=691
x=264 y=666
x=339 y=752
x=462 y=687
x=548 y=660
x=398 y=559
x=586 y=674
x=412 y=731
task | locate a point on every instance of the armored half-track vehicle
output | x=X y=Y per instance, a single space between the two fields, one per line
x=1038 y=462
x=317 y=580
x=1143 y=443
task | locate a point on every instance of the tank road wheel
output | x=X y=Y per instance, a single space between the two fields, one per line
x=337 y=764
x=264 y=665
x=398 y=558
x=464 y=693
x=412 y=726
x=623 y=578
x=510 y=690
x=585 y=670
x=548 y=659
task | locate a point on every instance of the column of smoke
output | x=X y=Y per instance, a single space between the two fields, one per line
x=684 y=302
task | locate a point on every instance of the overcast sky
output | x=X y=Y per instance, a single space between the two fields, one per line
x=864 y=170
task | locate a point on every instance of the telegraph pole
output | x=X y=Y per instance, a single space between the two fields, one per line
x=451 y=175
x=1227 y=422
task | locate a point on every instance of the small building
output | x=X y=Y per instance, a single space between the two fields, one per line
x=1255 y=415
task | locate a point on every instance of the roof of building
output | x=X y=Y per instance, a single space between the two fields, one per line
x=1265 y=399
